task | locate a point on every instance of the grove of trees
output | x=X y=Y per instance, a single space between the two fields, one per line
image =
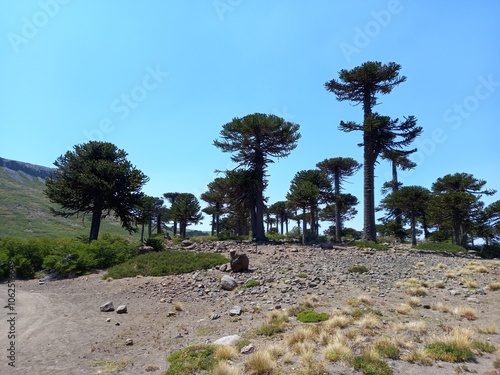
x=97 y=179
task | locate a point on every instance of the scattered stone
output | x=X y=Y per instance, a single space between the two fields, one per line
x=228 y=283
x=473 y=299
x=117 y=324
x=227 y=340
x=108 y=320
x=454 y=292
x=214 y=316
x=171 y=313
x=247 y=349
x=187 y=243
x=122 y=309
x=129 y=342
x=236 y=310
x=107 y=307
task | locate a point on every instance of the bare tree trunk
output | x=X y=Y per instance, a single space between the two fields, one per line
x=96 y=223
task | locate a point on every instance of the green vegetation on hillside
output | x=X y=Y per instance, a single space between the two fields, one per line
x=25 y=212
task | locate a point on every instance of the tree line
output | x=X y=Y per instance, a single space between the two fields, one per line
x=97 y=179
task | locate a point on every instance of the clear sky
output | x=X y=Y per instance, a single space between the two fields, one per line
x=159 y=79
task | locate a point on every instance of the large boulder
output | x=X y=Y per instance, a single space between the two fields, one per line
x=145 y=249
x=239 y=262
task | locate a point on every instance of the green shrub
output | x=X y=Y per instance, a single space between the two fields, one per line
x=489 y=251
x=156 y=243
x=251 y=283
x=275 y=326
x=387 y=350
x=440 y=247
x=371 y=366
x=448 y=352
x=370 y=245
x=358 y=268
x=192 y=360
x=166 y=263
x=311 y=316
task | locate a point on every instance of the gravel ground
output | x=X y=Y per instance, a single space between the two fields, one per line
x=61 y=330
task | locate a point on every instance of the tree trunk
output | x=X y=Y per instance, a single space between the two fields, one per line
x=96 y=223
x=338 y=209
x=413 y=231
x=150 y=228
x=259 y=234
x=369 y=230
x=142 y=232
x=175 y=227
x=304 y=226
x=397 y=212
x=158 y=224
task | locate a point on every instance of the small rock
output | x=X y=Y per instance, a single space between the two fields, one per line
x=228 y=283
x=108 y=306
x=236 y=310
x=117 y=324
x=122 y=309
x=170 y=313
x=473 y=299
x=108 y=320
x=129 y=342
x=247 y=349
x=454 y=292
x=214 y=316
x=227 y=340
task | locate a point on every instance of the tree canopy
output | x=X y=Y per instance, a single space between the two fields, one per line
x=96 y=178
x=254 y=140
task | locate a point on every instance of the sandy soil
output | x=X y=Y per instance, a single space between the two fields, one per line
x=60 y=329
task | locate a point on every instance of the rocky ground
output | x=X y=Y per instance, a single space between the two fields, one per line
x=61 y=330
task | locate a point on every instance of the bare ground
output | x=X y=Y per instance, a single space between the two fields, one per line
x=60 y=329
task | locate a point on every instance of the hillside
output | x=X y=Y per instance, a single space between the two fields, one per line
x=25 y=210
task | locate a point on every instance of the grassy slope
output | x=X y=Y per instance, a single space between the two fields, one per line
x=24 y=211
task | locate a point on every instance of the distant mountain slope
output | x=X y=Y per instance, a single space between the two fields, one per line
x=30 y=169
x=25 y=210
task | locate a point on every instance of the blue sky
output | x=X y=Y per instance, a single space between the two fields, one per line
x=160 y=78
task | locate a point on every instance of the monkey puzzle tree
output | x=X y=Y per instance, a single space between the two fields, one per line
x=171 y=197
x=215 y=197
x=320 y=180
x=339 y=169
x=186 y=210
x=456 y=204
x=96 y=178
x=303 y=194
x=361 y=85
x=254 y=140
x=412 y=201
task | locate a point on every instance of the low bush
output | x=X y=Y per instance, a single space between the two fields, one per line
x=371 y=366
x=192 y=360
x=358 y=268
x=440 y=247
x=61 y=256
x=311 y=316
x=166 y=263
x=370 y=245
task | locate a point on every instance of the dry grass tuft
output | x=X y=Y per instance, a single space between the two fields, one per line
x=338 y=349
x=413 y=302
x=490 y=329
x=178 y=306
x=417 y=291
x=465 y=311
x=299 y=335
x=260 y=362
x=440 y=284
x=224 y=368
x=450 y=275
x=417 y=356
x=225 y=352
x=369 y=321
x=310 y=301
x=403 y=309
x=494 y=286
x=338 y=321
x=421 y=264
x=441 y=307
x=417 y=326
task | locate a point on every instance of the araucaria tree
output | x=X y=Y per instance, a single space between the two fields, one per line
x=254 y=140
x=338 y=169
x=186 y=210
x=96 y=178
x=361 y=85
